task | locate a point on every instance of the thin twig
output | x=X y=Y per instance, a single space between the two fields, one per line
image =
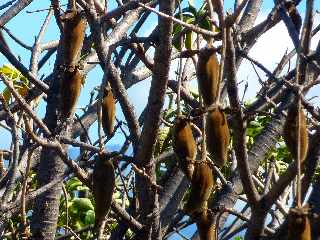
x=18 y=65
x=180 y=69
x=189 y=26
x=65 y=193
x=72 y=232
x=123 y=182
x=238 y=123
x=17 y=40
x=24 y=187
x=15 y=153
x=7 y=4
x=142 y=173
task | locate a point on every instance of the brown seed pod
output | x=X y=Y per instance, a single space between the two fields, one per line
x=70 y=91
x=217 y=136
x=208 y=76
x=184 y=145
x=299 y=224
x=103 y=181
x=73 y=36
x=206 y=226
x=290 y=133
x=202 y=183
x=294 y=14
x=108 y=111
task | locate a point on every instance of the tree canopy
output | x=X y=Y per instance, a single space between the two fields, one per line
x=134 y=119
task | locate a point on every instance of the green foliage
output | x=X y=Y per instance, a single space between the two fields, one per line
x=164 y=143
x=80 y=209
x=192 y=16
x=163 y=140
x=74 y=185
x=255 y=127
x=20 y=82
x=118 y=195
x=280 y=153
x=238 y=238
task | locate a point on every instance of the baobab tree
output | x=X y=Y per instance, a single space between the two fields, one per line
x=141 y=129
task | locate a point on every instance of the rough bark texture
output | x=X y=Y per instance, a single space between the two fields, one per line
x=148 y=197
x=13 y=11
x=46 y=208
x=250 y=14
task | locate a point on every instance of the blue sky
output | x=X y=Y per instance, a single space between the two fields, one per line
x=268 y=50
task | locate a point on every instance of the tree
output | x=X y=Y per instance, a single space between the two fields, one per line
x=161 y=186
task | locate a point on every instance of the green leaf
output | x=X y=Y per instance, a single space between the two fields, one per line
x=11 y=72
x=83 y=204
x=162 y=136
x=170 y=114
x=176 y=44
x=188 y=41
x=73 y=210
x=89 y=217
x=238 y=238
x=82 y=188
x=189 y=20
x=202 y=10
x=176 y=29
x=73 y=183
x=167 y=142
x=78 y=225
x=6 y=94
x=20 y=82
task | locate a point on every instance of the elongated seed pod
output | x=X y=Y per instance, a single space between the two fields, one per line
x=70 y=91
x=299 y=224
x=103 y=180
x=208 y=76
x=290 y=133
x=108 y=111
x=206 y=226
x=202 y=184
x=217 y=136
x=73 y=36
x=184 y=145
